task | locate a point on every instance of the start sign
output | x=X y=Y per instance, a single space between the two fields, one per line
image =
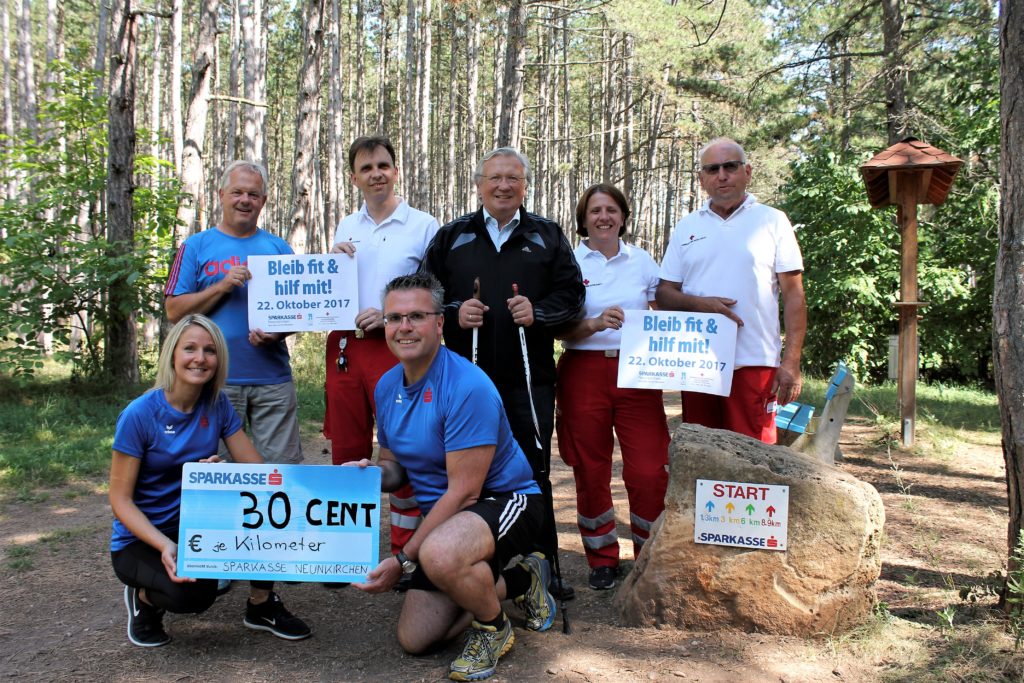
x=741 y=514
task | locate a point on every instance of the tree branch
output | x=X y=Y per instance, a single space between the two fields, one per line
x=240 y=100
x=718 y=24
x=811 y=60
x=152 y=13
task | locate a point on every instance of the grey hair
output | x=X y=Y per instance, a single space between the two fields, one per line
x=250 y=166
x=503 y=152
x=418 y=281
x=723 y=141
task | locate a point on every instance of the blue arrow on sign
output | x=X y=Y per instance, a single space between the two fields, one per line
x=710 y=506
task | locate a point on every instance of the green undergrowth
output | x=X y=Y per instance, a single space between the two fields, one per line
x=56 y=429
x=972 y=646
x=948 y=417
x=308 y=370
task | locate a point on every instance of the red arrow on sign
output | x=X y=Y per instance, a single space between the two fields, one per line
x=770 y=511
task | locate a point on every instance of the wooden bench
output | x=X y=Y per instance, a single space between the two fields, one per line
x=818 y=436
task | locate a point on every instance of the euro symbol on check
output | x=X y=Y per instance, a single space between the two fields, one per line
x=193 y=543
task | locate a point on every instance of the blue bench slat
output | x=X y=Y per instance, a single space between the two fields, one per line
x=833 y=386
x=794 y=417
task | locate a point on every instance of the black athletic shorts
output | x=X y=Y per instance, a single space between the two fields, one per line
x=515 y=520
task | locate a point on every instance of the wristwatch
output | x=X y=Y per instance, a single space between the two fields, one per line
x=408 y=566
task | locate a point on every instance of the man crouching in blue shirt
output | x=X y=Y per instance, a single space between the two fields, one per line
x=442 y=427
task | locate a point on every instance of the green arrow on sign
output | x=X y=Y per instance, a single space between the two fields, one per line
x=750 y=508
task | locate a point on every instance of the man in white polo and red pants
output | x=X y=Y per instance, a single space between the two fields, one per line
x=388 y=238
x=734 y=256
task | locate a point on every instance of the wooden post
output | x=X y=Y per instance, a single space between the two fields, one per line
x=906 y=174
x=907 y=185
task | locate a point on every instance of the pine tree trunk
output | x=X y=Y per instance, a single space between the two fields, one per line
x=335 y=181
x=359 y=116
x=155 y=94
x=11 y=187
x=26 y=72
x=497 y=98
x=512 y=81
x=450 y=180
x=472 y=85
x=54 y=31
x=627 y=105
x=541 y=161
x=423 y=108
x=1008 y=303
x=302 y=223
x=177 y=124
x=121 y=361
x=234 y=77
x=254 y=80
x=213 y=149
x=572 y=188
x=409 y=106
x=601 y=90
x=102 y=39
x=190 y=213
x=895 y=71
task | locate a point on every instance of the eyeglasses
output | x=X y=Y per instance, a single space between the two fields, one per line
x=513 y=180
x=414 y=318
x=729 y=166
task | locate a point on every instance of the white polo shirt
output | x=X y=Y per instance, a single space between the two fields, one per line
x=383 y=252
x=739 y=258
x=627 y=280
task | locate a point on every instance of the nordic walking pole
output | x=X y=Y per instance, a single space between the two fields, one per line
x=476 y=330
x=545 y=483
x=529 y=381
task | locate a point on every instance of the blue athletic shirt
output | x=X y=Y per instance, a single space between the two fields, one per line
x=453 y=407
x=165 y=439
x=203 y=260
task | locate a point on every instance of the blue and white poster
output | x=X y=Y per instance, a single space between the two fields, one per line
x=279 y=522
x=295 y=293
x=677 y=350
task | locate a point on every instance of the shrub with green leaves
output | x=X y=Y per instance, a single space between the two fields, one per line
x=56 y=261
x=852 y=275
x=852 y=252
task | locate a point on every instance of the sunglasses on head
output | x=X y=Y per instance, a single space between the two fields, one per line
x=729 y=166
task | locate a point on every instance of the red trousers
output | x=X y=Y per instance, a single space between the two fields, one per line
x=590 y=406
x=350 y=410
x=748 y=409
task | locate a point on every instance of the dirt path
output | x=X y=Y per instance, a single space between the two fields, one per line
x=63 y=619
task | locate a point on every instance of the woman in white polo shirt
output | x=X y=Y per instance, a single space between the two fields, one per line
x=618 y=277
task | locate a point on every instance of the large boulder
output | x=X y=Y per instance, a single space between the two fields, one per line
x=822 y=583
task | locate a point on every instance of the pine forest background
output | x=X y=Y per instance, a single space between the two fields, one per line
x=118 y=116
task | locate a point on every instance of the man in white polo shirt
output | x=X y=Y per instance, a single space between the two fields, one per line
x=388 y=238
x=734 y=256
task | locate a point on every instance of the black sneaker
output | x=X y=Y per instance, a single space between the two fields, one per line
x=602 y=578
x=272 y=616
x=145 y=622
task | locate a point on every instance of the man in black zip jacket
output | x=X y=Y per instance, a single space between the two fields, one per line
x=528 y=278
